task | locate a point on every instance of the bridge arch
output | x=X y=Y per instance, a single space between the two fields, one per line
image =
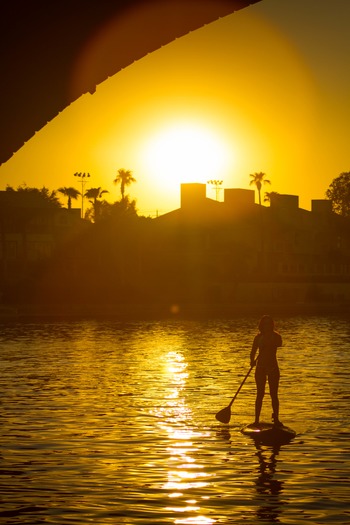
x=41 y=43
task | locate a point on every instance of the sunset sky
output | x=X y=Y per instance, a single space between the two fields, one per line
x=264 y=89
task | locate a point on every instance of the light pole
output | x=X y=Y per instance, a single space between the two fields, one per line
x=83 y=181
x=216 y=184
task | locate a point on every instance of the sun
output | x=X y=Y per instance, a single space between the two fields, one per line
x=183 y=152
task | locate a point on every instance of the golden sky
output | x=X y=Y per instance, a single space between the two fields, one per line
x=264 y=89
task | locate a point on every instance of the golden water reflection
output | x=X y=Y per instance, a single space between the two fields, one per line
x=112 y=424
x=184 y=472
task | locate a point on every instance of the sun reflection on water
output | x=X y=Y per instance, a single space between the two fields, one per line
x=184 y=472
x=117 y=425
x=200 y=520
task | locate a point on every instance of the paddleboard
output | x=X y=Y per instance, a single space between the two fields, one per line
x=269 y=433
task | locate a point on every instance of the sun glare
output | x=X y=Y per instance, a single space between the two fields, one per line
x=185 y=152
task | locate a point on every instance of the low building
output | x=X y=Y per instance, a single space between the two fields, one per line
x=30 y=232
x=237 y=250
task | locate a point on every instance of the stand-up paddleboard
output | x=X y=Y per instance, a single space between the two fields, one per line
x=269 y=433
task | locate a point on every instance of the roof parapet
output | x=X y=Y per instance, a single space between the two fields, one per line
x=237 y=197
x=284 y=201
x=321 y=206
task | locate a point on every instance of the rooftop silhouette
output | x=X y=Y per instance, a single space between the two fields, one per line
x=219 y=255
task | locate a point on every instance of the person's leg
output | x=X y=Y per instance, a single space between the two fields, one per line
x=260 y=380
x=274 y=378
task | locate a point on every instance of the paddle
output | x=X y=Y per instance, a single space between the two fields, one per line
x=224 y=415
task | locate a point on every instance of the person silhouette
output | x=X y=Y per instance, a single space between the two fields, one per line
x=266 y=343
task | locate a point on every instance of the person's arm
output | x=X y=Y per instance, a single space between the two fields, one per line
x=279 y=340
x=253 y=351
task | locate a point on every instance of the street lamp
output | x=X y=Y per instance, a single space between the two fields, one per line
x=216 y=184
x=83 y=181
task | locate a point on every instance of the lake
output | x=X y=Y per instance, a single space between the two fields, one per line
x=114 y=423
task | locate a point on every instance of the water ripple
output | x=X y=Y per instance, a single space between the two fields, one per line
x=115 y=424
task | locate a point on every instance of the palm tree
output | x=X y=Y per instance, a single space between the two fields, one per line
x=258 y=179
x=124 y=178
x=71 y=193
x=94 y=194
x=269 y=194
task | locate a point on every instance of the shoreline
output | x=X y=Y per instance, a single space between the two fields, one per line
x=149 y=312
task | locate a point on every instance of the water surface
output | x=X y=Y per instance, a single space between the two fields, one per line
x=114 y=423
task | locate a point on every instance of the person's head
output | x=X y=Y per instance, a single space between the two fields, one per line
x=266 y=324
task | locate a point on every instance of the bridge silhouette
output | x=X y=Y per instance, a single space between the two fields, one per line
x=41 y=43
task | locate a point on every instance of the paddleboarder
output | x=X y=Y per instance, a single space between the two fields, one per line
x=265 y=344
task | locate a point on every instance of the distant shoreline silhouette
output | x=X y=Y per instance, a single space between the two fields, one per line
x=205 y=258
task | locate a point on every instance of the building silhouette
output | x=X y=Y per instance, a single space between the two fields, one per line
x=239 y=251
x=31 y=232
x=206 y=256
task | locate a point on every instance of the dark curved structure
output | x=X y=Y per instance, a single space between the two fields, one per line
x=53 y=52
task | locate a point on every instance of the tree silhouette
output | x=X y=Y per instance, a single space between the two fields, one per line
x=258 y=179
x=124 y=178
x=269 y=194
x=94 y=194
x=71 y=193
x=339 y=193
x=42 y=197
